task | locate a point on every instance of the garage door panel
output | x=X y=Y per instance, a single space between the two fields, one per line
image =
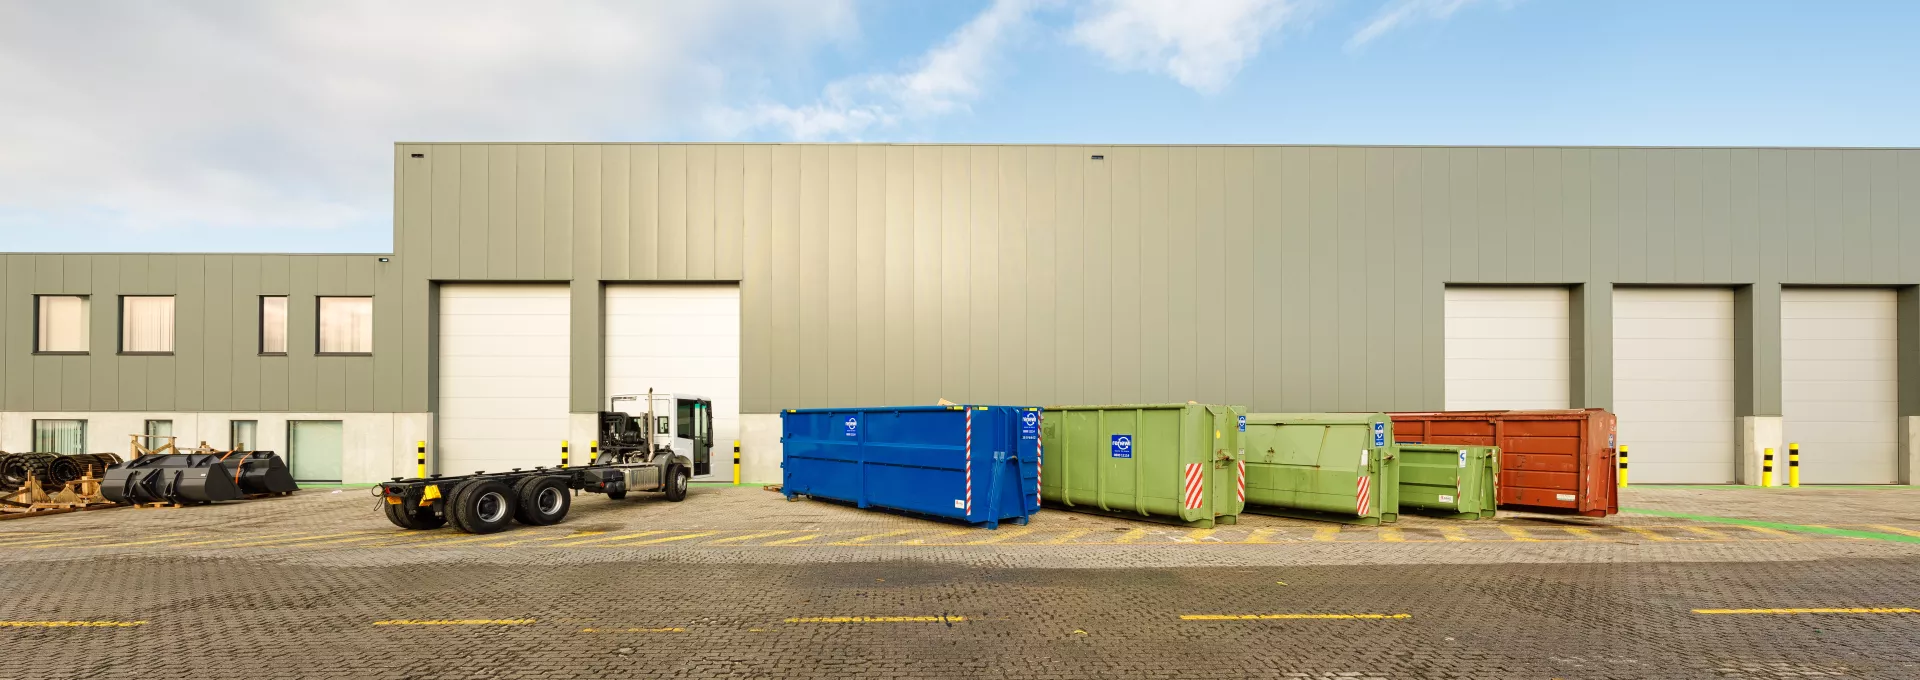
x=1673 y=386
x=504 y=385
x=1506 y=348
x=677 y=339
x=1839 y=362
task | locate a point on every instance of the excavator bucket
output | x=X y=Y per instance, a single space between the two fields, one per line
x=194 y=478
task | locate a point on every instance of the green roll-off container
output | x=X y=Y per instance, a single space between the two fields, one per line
x=1460 y=482
x=1329 y=466
x=1176 y=463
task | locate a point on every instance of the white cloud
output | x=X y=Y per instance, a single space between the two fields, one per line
x=137 y=117
x=1401 y=13
x=945 y=79
x=1202 y=45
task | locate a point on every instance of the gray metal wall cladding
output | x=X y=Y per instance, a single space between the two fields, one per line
x=216 y=364
x=1282 y=278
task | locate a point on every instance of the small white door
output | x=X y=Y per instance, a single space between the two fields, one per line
x=1506 y=348
x=680 y=339
x=1839 y=363
x=1673 y=383
x=503 y=381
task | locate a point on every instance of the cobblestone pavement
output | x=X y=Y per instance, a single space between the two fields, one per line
x=736 y=583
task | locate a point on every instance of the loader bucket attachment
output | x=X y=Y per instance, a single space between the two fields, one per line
x=195 y=478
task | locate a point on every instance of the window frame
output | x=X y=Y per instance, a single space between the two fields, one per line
x=260 y=329
x=86 y=301
x=319 y=324
x=34 y=430
x=233 y=429
x=122 y=314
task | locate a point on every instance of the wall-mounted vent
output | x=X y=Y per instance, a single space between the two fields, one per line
x=1099 y=157
x=419 y=155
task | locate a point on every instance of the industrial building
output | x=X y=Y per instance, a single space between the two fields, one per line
x=1722 y=301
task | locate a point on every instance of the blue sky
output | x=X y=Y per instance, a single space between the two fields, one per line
x=227 y=125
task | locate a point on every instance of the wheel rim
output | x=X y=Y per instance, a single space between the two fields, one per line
x=550 y=499
x=492 y=507
x=680 y=481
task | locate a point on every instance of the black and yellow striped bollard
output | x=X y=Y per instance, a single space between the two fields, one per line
x=1793 y=465
x=564 y=458
x=1766 y=469
x=593 y=451
x=420 y=459
x=1623 y=466
x=736 y=462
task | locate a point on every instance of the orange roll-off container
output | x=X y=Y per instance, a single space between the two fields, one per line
x=1560 y=460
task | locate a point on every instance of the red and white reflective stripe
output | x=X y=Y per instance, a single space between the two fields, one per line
x=1193 y=485
x=969 y=501
x=1360 y=498
x=1039 y=457
x=1241 y=481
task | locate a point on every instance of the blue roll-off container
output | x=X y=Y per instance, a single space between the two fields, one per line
x=916 y=459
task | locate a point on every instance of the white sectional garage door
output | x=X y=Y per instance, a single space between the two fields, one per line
x=1507 y=348
x=682 y=339
x=503 y=376
x=1839 y=363
x=1673 y=383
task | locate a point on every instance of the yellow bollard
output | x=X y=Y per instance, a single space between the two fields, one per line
x=1766 y=469
x=1623 y=466
x=593 y=451
x=1793 y=465
x=736 y=462
x=420 y=459
x=564 y=458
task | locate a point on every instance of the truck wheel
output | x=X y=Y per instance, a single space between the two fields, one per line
x=484 y=507
x=408 y=514
x=542 y=501
x=677 y=489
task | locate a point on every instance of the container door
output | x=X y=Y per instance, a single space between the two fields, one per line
x=314 y=450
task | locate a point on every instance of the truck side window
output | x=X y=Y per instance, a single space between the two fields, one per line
x=683 y=409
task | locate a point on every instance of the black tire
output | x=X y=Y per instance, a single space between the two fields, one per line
x=450 y=499
x=484 y=507
x=543 y=501
x=410 y=515
x=677 y=486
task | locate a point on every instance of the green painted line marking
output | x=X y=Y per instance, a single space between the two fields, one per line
x=1804 y=487
x=1802 y=528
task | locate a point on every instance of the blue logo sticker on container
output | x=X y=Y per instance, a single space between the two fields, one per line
x=1379 y=434
x=1243 y=423
x=1029 y=425
x=853 y=426
x=1123 y=446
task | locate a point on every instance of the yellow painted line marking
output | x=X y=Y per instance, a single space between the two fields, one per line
x=1815 y=610
x=1067 y=537
x=791 y=541
x=1710 y=533
x=1324 y=534
x=1197 y=535
x=1260 y=536
x=157 y=539
x=748 y=537
x=1284 y=617
x=1776 y=532
x=602 y=539
x=858 y=540
x=1454 y=534
x=467 y=538
x=356 y=539
x=1392 y=535
x=1894 y=529
x=875 y=619
x=1131 y=535
x=633 y=630
x=284 y=541
x=542 y=539
x=667 y=539
x=1583 y=534
x=71 y=624
x=230 y=540
x=46 y=541
x=454 y=622
x=936 y=537
x=1650 y=534
x=1518 y=534
x=1002 y=535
